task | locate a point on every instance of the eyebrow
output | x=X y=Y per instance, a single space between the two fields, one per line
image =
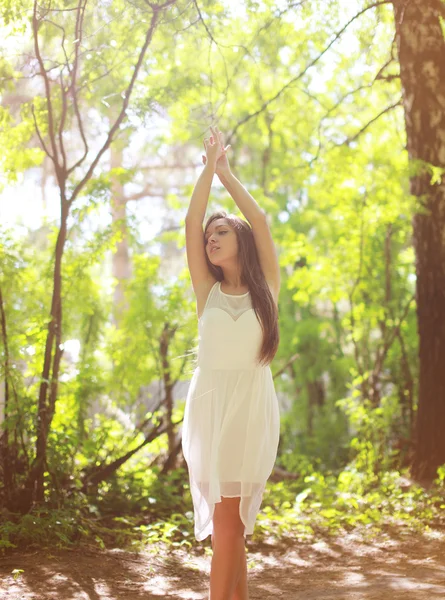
x=217 y=227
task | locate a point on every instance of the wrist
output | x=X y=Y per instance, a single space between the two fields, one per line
x=209 y=168
x=225 y=176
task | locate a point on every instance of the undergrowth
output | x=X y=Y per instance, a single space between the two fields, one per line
x=314 y=505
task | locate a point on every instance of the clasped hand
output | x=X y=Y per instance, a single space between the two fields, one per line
x=216 y=152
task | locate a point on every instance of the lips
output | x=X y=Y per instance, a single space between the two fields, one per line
x=214 y=249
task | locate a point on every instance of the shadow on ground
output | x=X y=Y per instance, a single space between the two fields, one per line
x=393 y=567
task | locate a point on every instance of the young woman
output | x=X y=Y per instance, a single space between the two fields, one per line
x=231 y=422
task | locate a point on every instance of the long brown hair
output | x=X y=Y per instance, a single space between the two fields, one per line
x=251 y=275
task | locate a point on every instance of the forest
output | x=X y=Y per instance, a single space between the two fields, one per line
x=335 y=114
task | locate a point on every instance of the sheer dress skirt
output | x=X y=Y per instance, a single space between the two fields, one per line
x=231 y=425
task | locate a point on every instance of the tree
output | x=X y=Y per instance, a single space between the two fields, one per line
x=421 y=49
x=62 y=104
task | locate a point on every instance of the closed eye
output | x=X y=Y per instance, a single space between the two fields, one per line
x=219 y=232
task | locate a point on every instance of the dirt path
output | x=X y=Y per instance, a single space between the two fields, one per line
x=394 y=567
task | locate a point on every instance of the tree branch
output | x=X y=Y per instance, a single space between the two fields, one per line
x=39 y=134
x=168 y=167
x=392 y=336
x=305 y=70
x=78 y=39
x=365 y=127
x=125 y=103
x=209 y=33
x=62 y=43
x=107 y=72
x=331 y=110
x=354 y=287
x=62 y=120
x=35 y=27
x=159 y=7
x=289 y=362
x=145 y=193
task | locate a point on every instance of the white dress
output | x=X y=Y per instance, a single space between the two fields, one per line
x=231 y=423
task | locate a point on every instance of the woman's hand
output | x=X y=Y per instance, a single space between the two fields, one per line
x=221 y=164
x=213 y=149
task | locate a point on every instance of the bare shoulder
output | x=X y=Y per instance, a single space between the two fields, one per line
x=202 y=291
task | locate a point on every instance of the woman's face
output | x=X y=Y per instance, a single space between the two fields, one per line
x=221 y=243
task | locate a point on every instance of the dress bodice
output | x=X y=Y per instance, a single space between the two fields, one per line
x=230 y=335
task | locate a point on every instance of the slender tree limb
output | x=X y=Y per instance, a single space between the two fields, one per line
x=289 y=362
x=392 y=336
x=278 y=474
x=74 y=92
x=107 y=72
x=189 y=26
x=201 y=18
x=328 y=113
x=51 y=126
x=121 y=115
x=305 y=70
x=377 y=77
x=7 y=474
x=408 y=384
x=158 y=7
x=168 y=167
x=209 y=33
x=62 y=42
x=247 y=52
x=352 y=292
x=373 y=120
x=81 y=6
x=185 y=361
x=19 y=76
x=167 y=335
x=382 y=68
x=260 y=30
x=62 y=122
x=145 y=193
x=100 y=473
x=389 y=77
x=61 y=10
x=39 y=135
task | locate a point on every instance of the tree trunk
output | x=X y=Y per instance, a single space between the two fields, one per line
x=50 y=372
x=4 y=391
x=315 y=400
x=166 y=336
x=421 y=50
x=54 y=147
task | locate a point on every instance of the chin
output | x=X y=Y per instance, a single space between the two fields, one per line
x=212 y=259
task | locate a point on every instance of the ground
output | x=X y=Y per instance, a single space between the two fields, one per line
x=393 y=566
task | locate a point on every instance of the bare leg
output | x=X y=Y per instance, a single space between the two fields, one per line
x=241 y=591
x=228 y=551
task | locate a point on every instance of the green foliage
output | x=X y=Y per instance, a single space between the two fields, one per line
x=17 y=155
x=319 y=505
x=337 y=194
x=158 y=510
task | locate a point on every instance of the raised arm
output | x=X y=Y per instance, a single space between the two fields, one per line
x=202 y=279
x=257 y=218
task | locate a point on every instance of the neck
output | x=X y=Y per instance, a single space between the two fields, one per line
x=232 y=277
